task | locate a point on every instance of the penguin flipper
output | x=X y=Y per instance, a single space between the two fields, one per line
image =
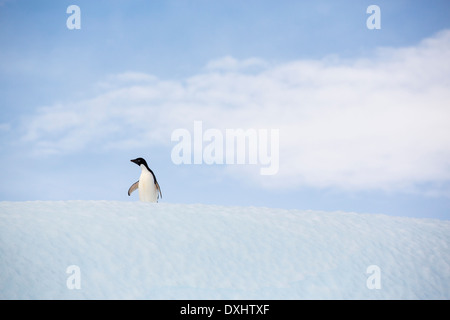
x=133 y=187
x=158 y=190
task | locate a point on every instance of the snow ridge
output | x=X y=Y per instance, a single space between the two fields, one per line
x=134 y=250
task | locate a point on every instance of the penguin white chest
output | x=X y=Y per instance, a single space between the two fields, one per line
x=147 y=187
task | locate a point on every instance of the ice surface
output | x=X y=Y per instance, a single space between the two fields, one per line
x=134 y=250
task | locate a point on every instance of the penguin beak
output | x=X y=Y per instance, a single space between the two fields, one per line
x=134 y=160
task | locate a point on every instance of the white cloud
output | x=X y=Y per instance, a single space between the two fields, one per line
x=229 y=63
x=379 y=123
x=115 y=81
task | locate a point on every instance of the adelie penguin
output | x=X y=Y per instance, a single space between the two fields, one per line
x=147 y=184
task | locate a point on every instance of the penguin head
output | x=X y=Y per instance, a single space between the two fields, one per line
x=141 y=161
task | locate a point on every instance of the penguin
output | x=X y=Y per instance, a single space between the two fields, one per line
x=149 y=189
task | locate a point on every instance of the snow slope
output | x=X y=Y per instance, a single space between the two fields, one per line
x=134 y=250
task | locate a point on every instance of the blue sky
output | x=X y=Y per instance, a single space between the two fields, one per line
x=361 y=113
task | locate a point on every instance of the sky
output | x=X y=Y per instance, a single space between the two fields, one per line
x=350 y=118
